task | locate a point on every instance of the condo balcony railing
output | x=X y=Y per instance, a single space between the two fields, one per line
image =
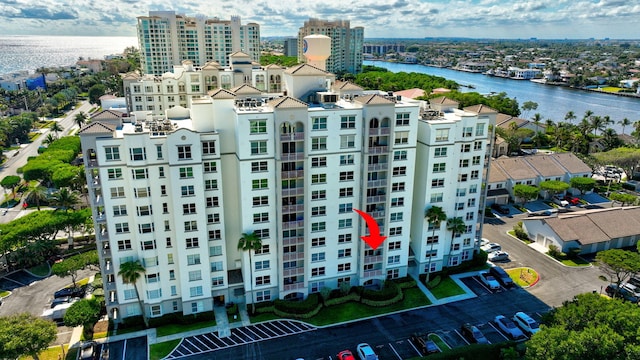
x=380 y=131
x=294 y=286
x=293 y=191
x=92 y=163
x=292 y=156
x=378 y=149
x=377 y=214
x=376 y=199
x=292 y=136
x=376 y=183
x=293 y=241
x=372 y=273
x=292 y=224
x=372 y=259
x=376 y=167
x=95 y=182
x=293 y=271
x=293 y=256
x=99 y=200
x=292 y=174
x=101 y=217
x=287 y=209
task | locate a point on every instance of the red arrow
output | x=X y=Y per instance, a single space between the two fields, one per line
x=375 y=238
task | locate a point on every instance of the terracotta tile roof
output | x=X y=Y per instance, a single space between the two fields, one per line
x=571 y=162
x=545 y=165
x=245 y=89
x=345 y=85
x=221 y=94
x=373 y=99
x=238 y=54
x=480 y=109
x=106 y=115
x=273 y=66
x=305 y=69
x=97 y=128
x=516 y=168
x=443 y=101
x=410 y=93
x=212 y=65
x=286 y=102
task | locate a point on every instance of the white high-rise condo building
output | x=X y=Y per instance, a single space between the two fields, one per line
x=177 y=191
x=346 y=44
x=167 y=39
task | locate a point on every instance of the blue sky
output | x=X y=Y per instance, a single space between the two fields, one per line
x=544 y=19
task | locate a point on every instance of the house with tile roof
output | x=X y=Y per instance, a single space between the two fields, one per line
x=590 y=230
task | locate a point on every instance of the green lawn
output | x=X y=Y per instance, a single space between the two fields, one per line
x=171 y=329
x=575 y=262
x=446 y=288
x=523 y=276
x=160 y=350
x=40 y=270
x=264 y=317
x=438 y=340
x=4 y=293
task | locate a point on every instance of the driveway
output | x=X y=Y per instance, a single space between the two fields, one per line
x=537 y=205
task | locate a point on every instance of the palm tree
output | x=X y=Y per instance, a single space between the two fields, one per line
x=570 y=116
x=49 y=139
x=56 y=128
x=250 y=242
x=457 y=226
x=624 y=123
x=131 y=271
x=65 y=198
x=598 y=123
x=537 y=119
x=434 y=216
x=36 y=193
x=80 y=119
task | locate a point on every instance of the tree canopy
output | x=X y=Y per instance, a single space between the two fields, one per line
x=525 y=192
x=85 y=312
x=583 y=184
x=624 y=157
x=554 y=187
x=618 y=264
x=623 y=198
x=390 y=81
x=25 y=334
x=70 y=266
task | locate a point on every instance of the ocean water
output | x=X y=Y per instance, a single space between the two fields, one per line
x=22 y=52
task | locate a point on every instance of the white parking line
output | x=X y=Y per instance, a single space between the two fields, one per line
x=463 y=338
x=259 y=328
x=394 y=351
x=414 y=347
x=124 y=348
x=200 y=341
x=498 y=330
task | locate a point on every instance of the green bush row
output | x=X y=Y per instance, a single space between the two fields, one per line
x=389 y=290
x=354 y=296
x=298 y=307
x=380 y=303
x=177 y=318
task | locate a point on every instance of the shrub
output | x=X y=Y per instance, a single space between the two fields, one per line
x=405 y=282
x=389 y=290
x=342 y=299
x=262 y=307
x=298 y=307
x=232 y=309
x=554 y=251
x=573 y=253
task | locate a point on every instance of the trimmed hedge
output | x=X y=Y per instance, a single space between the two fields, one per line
x=342 y=299
x=177 y=318
x=389 y=291
x=379 y=303
x=298 y=307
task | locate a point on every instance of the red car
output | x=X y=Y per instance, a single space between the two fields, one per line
x=345 y=355
x=572 y=199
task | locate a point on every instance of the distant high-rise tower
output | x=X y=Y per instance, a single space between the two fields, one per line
x=167 y=39
x=291 y=46
x=346 y=44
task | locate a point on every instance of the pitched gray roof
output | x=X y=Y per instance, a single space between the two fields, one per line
x=597 y=225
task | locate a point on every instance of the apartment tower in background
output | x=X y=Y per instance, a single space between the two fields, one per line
x=346 y=44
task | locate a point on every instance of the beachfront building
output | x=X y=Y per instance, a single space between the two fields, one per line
x=166 y=39
x=177 y=191
x=346 y=44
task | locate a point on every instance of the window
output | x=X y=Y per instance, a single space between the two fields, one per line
x=400 y=155
x=217 y=281
x=401 y=137
x=395 y=245
x=119 y=210
x=122 y=228
x=395 y=231
x=476 y=160
x=319 y=271
x=475 y=174
x=464 y=163
x=161 y=171
x=263 y=280
x=152 y=278
x=258 y=147
x=347 y=122
x=124 y=245
x=463 y=177
x=346 y=159
x=263 y=295
x=318 y=194
x=197 y=306
x=320 y=241
x=144 y=210
x=436 y=183
x=215 y=234
x=145 y=228
x=344 y=238
x=346 y=175
x=431 y=253
x=342 y=253
x=461 y=192
x=347 y=141
x=195 y=291
x=470 y=216
x=319 y=161
x=215 y=250
x=402 y=119
x=259 y=166
x=345 y=208
x=216 y=266
x=465 y=148
x=159 y=152
x=195 y=275
x=471 y=202
x=138 y=154
x=169 y=259
x=318 y=226
x=257 y=127
x=440 y=152
x=193 y=259
x=259 y=184
x=397 y=201
x=208 y=148
x=211 y=166
x=168 y=242
x=186 y=172
x=319 y=123
x=439 y=167
x=163 y=190
x=397 y=216
x=344 y=267
x=211 y=184
x=260 y=200
x=316 y=286
x=394 y=259
x=129 y=294
x=345 y=223
x=460 y=206
x=480 y=129
x=319 y=178
x=260 y=217
x=477 y=145
x=184 y=152
x=467 y=131
x=191 y=225
x=318 y=256
x=399 y=171
x=142 y=192
x=188 y=190
x=112 y=153
x=393 y=274
x=436 y=197
x=442 y=134
x=399 y=186
x=117 y=192
x=473 y=189
x=319 y=211
x=319 y=143
x=174 y=292
x=114 y=174
x=346 y=192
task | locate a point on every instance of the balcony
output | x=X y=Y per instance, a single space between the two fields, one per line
x=95 y=182
x=377 y=167
x=293 y=272
x=292 y=224
x=293 y=256
x=99 y=200
x=293 y=241
x=377 y=214
x=292 y=136
x=380 y=131
x=92 y=164
x=376 y=199
x=293 y=191
x=292 y=174
x=372 y=273
x=106 y=252
x=294 y=286
x=377 y=183
x=292 y=156
x=372 y=259
x=288 y=209
x=103 y=235
x=101 y=218
x=378 y=149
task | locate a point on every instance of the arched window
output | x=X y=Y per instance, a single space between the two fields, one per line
x=286 y=128
x=374 y=123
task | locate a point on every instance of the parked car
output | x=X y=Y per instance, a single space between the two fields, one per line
x=89 y=351
x=69 y=291
x=426 y=346
x=622 y=293
x=473 y=334
x=500 y=208
x=498 y=256
x=63 y=300
x=526 y=323
x=489 y=280
x=491 y=247
x=634 y=281
x=345 y=355
x=509 y=327
x=366 y=352
x=501 y=276
x=556 y=200
x=549 y=212
x=572 y=199
x=635 y=290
